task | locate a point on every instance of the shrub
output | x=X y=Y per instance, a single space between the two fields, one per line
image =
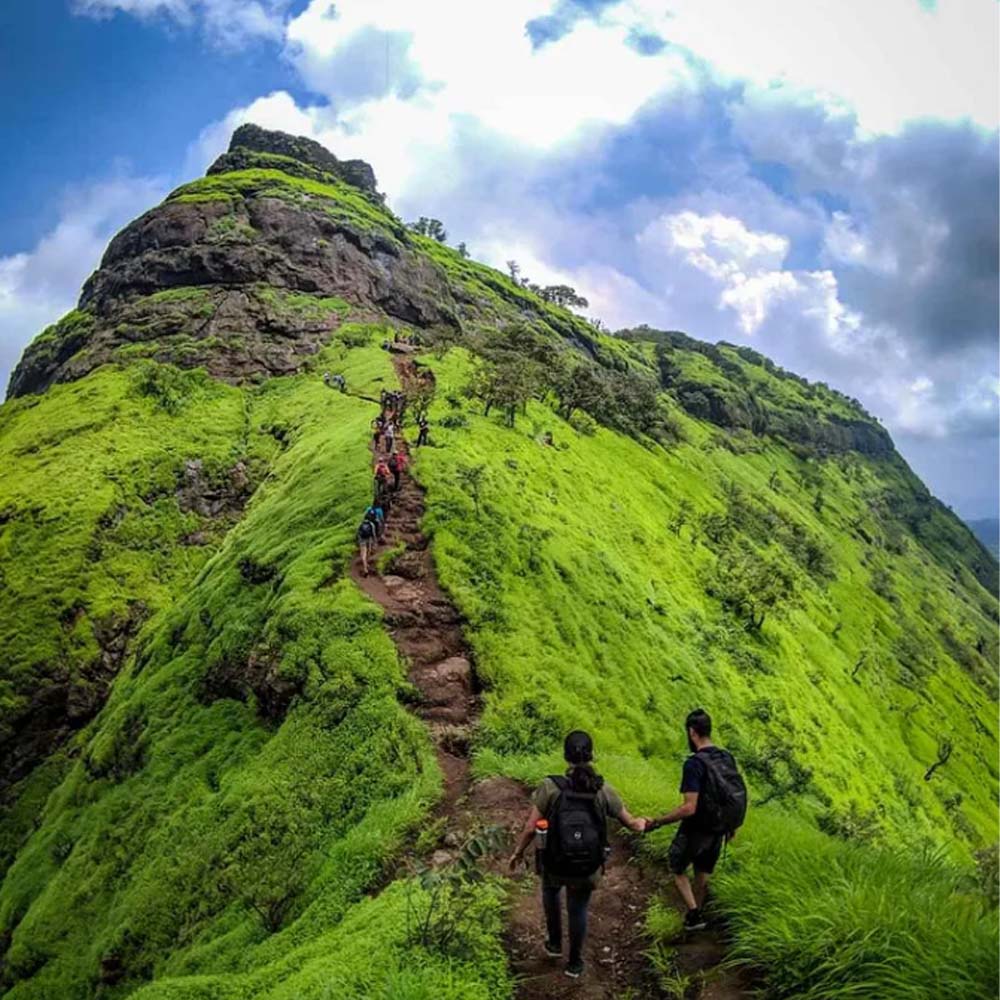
x=583 y=423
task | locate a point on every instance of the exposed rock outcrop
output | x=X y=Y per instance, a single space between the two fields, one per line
x=248 y=276
x=254 y=139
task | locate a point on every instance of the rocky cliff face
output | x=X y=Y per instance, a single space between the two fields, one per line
x=246 y=272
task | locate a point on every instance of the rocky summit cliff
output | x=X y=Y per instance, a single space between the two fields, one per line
x=233 y=766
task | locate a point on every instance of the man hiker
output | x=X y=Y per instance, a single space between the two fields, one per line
x=340 y=382
x=376 y=515
x=366 y=541
x=377 y=426
x=424 y=428
x=568 y=821
x=389 y=433
x=397 y=463
x=714 y=806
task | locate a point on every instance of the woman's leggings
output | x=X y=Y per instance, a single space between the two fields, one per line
x=577 y=901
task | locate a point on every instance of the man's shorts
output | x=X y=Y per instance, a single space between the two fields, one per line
x=698 y=849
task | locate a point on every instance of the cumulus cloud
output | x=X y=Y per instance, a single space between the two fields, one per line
x=231 y=23
x=41 y=284
x=891 y=61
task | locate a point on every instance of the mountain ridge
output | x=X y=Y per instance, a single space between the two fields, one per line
x=214 y=769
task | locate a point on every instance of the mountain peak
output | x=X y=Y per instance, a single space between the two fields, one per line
x=250 y=143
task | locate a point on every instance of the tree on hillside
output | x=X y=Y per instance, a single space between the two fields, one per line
x=561 y=295
x=579 y=386
x=433 y=228
x=514 y=270
x=751 y=586
x=668 y=368
x=507 y=384
x=463 y=251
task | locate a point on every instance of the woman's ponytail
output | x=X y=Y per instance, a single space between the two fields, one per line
x=578 y=750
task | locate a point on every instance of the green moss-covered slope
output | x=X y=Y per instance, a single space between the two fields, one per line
x=209 y=775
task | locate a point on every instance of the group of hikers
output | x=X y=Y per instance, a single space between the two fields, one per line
x=399 y=337
x=568 y=825
x=569 y=813
x=389 y=464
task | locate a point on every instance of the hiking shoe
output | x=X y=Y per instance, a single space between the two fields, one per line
x=574 y=970
x=553 y=950
x=695 y=921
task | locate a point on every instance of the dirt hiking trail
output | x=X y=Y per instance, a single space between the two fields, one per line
x=427 y=630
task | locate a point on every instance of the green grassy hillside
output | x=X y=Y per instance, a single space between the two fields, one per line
x=210 y=777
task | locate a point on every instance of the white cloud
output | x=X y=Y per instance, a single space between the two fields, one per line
x=40 y=285
x=275 y=111
x=890 y=60
x=229 y=22
x=431 y=69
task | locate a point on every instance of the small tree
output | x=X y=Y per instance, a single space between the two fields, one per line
x=514 y=270
x=580 y=386
x=430 y=227
x=506 y=385
x=463 y=251
x=751 y=586
x=561 y=295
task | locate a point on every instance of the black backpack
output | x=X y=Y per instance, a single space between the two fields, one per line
x=722 y=802
x=578 y=833
x=366 y=529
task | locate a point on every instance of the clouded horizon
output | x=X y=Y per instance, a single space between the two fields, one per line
x=816 y=180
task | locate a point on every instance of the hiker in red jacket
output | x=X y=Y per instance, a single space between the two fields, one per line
x=397 y=463
x=382 y=476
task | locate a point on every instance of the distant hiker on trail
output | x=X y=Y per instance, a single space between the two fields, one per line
x=376 y=515
x=389 y=433
x=397 y=464
x=367 y=531
x=377 y=426
x=382 y=476
x=340 y=382
x=424 y=430
x=568 y=822
x=714 y=807
x=326 y=378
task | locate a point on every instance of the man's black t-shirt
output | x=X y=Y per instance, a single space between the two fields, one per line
x=694 y=779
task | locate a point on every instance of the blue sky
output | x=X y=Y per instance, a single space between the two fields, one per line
x=816 y=179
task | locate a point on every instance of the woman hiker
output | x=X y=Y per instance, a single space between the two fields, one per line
x=569 y=815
